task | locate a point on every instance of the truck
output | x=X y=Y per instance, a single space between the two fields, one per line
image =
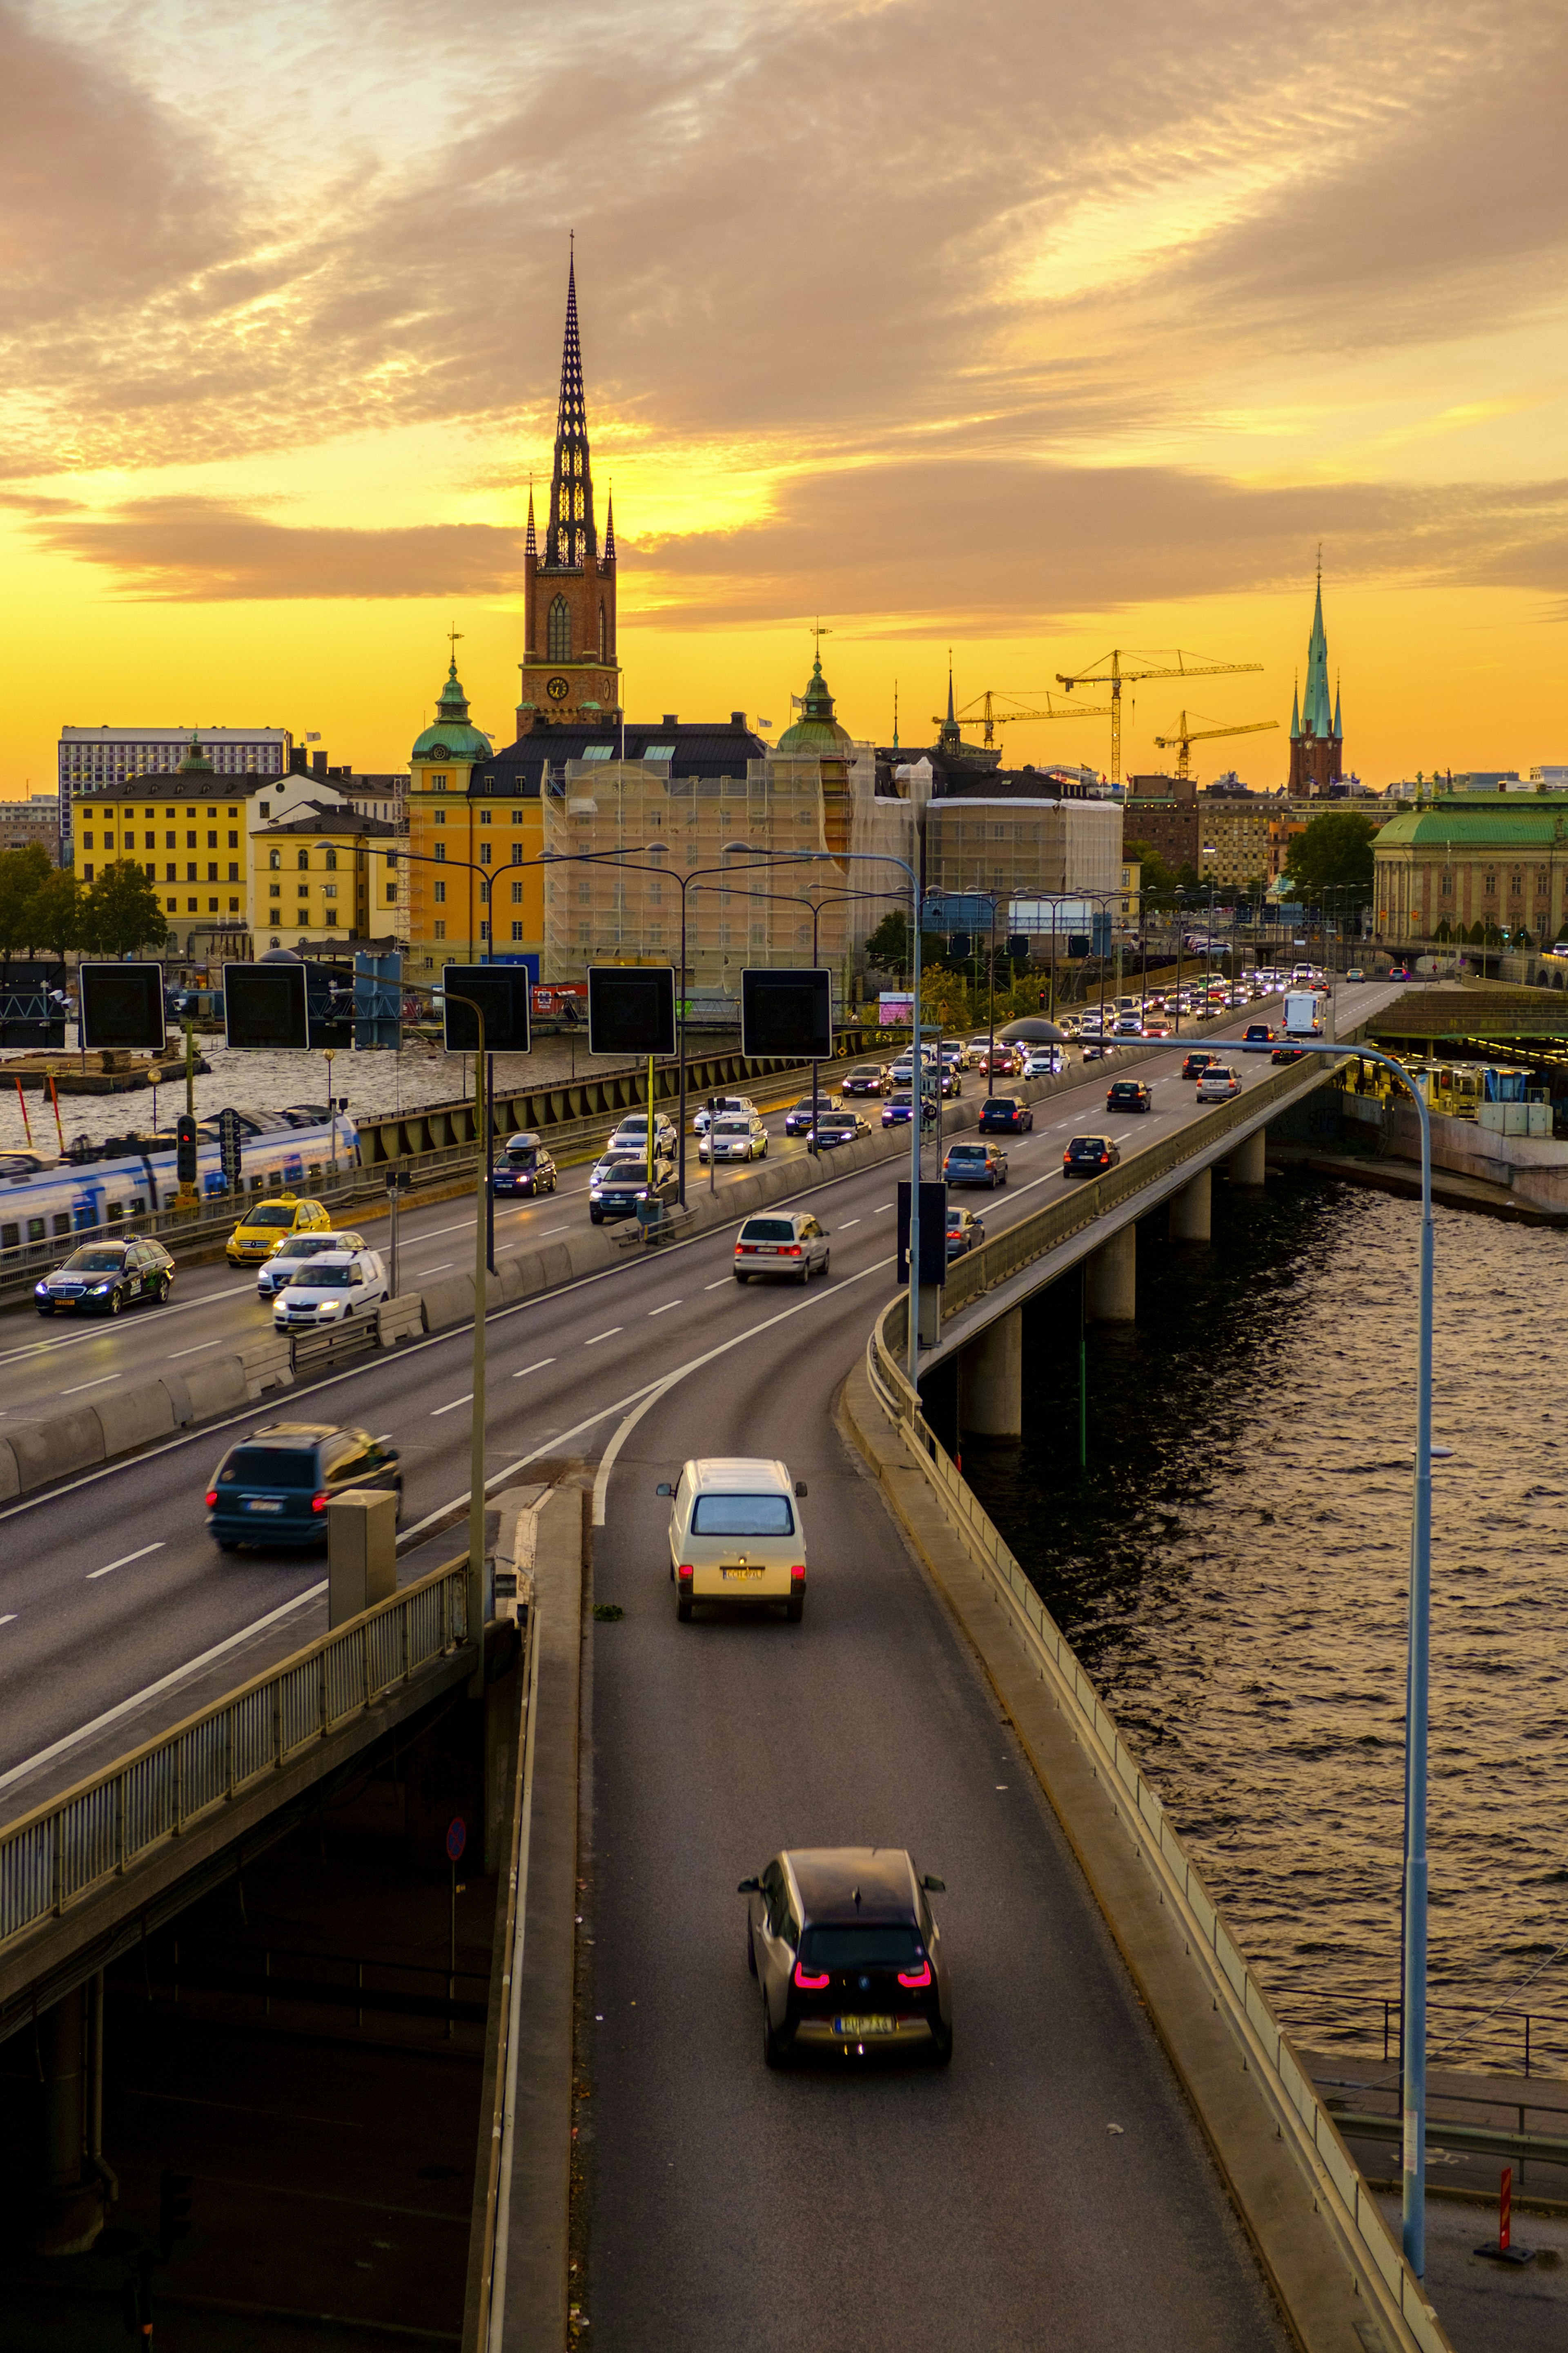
x=1303 y=1014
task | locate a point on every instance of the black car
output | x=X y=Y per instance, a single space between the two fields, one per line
x=1196 y=1064
x=619 y=1186
x=1090 y=1155
x=524 y=1168
x=1005 y=1115
x=102 y=1277
x=1129 y=1094
x=801 y=1117
x=274 y=1487
x=842 y=1943
x=1287 y=1054
x=840 y=1127
x=866 y=1078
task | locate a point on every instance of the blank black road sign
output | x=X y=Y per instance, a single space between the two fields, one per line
x=631 y=1008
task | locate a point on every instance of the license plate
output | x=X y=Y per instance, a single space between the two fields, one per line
x=261 y=1503
x=740 y=1574
x=859 y=2029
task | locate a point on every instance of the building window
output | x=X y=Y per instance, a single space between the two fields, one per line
x=275 y=859
x=190 y=906
x=440 y=931
x=440 y=816
x=517 y=930
x=439 y=783
x=212 y=839
x=517 y=817
x=331 y=861
x=169 y=874
x=234 y=906
x=559 y=641
x=484 y=817
x=517 y=853
x=233 y=870
x=212 y=869
x=484 y=931
x=484 y=893
x=484 y=853
x=87 y=871
x=1490 y=886
x=440 y=853
x=304 y=890
x=328 y=889
x=303 y=861
x=440 y=894
x=392 y=894
x=517 y=894
x=274 y=889
x=330 y=915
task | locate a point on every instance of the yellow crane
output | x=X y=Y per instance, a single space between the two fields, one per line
x=989 y=717
x=1118 y=669
x=1184 y=737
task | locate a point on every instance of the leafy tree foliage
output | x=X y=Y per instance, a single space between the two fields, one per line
x=1334 y=853
x=123 y=913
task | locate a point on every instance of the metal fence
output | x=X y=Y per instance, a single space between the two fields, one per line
x=70 y=1845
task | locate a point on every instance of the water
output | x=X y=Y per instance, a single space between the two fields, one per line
x=1235 y=1576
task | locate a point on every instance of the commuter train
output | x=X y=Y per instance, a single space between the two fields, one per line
x=45 y=1201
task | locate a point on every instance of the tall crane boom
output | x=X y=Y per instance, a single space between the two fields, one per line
x=1184 y=737
x=988 y=715
x=1118 y=667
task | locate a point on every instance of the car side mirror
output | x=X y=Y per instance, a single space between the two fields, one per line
x=800 y=1486
x=934 y=1886
x=664 y=1488
x=750 y=1887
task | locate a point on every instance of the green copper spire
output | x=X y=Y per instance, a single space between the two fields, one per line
x=1317 y=712
x=815 y=732
x=194 y=761
x=1295 y=711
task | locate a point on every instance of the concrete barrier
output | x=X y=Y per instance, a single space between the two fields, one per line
x=221 y=1387
x=400 y=1319
x=46 y=1450
x=449 y=1301
x=132 y=1418
x=178 y=1389
x=268 y=1364
x=10 y=1476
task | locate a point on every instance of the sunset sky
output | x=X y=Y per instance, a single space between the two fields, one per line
x=1024 y=327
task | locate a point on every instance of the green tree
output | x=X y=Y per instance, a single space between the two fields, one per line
x=888 y=949
x=23 y=874
x=56 y=913
x=1334 y=853
x=123 y=913
x=1156 y=880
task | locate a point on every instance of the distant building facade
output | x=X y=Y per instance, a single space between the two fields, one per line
x=98 y=759
x=325 y=875
x=33 y=823
x=1486 y=868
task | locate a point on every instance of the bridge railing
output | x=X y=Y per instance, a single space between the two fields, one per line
x=64 y=1849
x=1299 y=2114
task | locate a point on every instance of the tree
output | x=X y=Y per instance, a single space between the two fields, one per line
x=23 y=874
x=56 y=913
x=1334 y=853
x=888 y=949
x=1156 y=879
x=123 y=913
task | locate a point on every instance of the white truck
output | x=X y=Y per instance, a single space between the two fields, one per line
x=1303 y=1014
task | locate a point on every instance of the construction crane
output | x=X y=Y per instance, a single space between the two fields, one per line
x=1108 y=671
x=988 y=716
x=1184 y=737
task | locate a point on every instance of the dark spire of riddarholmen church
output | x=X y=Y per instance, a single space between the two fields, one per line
x=570 y=538
x=608 y=561
x=531 y=544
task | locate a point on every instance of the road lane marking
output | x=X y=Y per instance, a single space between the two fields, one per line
x=196 y=1350
x=124 y=1561
x=438 y=1410
x=843 y=1228
x=440 y=1266
x=534 y=1368
x=553 y=1229
x=9 y=1619
x=666 y=1308
x=89 y=1385
x=604 y=1335
x=723 y=1279
x=175 y=1307
x=880 y=1207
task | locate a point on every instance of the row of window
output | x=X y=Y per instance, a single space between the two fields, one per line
x=150 y=841
x=172 y=871
x=1515 y=887
x=438 y=931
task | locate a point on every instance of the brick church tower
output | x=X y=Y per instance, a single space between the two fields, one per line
x=570 y=669
x=1316 y=740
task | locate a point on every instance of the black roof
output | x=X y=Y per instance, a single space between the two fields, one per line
x=703 y=748
x=830 y=1878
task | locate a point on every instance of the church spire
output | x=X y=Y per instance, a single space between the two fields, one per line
x=608 y=559
x=1296 y=709
x=531 y=544
x=949 y=717
x=570 y=539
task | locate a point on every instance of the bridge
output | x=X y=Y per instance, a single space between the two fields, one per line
x=701 y=2177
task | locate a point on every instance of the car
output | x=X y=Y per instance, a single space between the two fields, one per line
x=800 y=1116
x=865 y=1079
x=1129 y=1094
x=948 y=1079
x=735 y=1534
x=1355 y=973
x=899 y=1110
x=965 y=1231
x=1043 y=1063
x=1256 y=1038
x=1098 y=1054
x=1288 y=1054
x=1005 y=1115
x=846 y=1954
x=736 y=1136
x=291 y=1254
x=619 y=1184
x=974 y=1163
x=273 y=1487
x=1129 y=1025
x=1399 y=972
x=524 y=1167
x=264 y=1225
x=722 y=1104
x=1090 y=1155
x=632 y=1134
x=103 y=1278
x=1218 y=1083
x=839 y=1127
x=330 y=1290
x=631 y=1155
x=788 y=1242
x=1195 y=1065
x=1001 y=1063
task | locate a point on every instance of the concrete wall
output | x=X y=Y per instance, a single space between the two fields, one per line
x=1536 y=1168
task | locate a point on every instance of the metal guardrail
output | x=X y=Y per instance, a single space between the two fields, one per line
x=57 y=1855
x=1299 y=2114
x=1525 y=2026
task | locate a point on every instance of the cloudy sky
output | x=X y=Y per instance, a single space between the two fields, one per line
x=1024 y=328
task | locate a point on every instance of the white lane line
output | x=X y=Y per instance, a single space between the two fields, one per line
x=197 y=1350
x=604 y=1335
x=440 y=1266
x=165 y=1683
x=723 y=1279
x=89 y=1385
x=666 y=1308
x=438 y=1410
x=843 y=1228
x=534 y=1368
x=124 y=1561
x=553 y=1229
x=880 y=1207
x=9 y=1619
x=175 y=1307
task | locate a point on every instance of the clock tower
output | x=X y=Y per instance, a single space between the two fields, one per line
x=569 y=668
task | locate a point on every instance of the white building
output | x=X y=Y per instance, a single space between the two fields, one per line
x=95 y=759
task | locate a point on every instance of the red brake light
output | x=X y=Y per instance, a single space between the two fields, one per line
x=809 y=1984
x=798 y=1573
x=211 y=1499
x=793 y=1251
x=684 y=1571
x=320 y=1503
x=916 y=1978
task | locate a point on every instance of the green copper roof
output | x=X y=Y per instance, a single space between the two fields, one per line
x=196 y=762
x=816 y=733
x=451 y=738
x=1317 y=711
x=1494 y=826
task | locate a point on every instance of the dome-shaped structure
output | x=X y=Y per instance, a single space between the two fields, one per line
x=194 y=761
x=451 y=738
x=817 y=734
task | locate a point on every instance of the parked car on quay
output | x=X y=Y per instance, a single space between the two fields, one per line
x=846 y=1954
x=789 y=1243
x=735 y=1534
x=274 y=1486
x=104 y=1278
x=974 y=1163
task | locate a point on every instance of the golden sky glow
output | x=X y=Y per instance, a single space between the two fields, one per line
x=997 y=324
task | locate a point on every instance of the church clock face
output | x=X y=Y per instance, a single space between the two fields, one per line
x=558 y=689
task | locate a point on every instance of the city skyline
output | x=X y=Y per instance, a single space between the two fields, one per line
x=1100 y=368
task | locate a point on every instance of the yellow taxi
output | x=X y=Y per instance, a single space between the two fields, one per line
x=266 y=1223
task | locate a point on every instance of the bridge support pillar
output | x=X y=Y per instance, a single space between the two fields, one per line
x=72 y=2206
x=990 y=1379
x=1114 y=1280
x=1191 y=1209
x=1246 y=1164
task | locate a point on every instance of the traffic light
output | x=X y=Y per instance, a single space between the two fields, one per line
x=186 y=1148
x=174 y=2209
x=631 y=1008
x=1042 y=997
x=501 y=991
x=787 y=1010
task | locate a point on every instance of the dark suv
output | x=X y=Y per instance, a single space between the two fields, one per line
x=1129 y=1094
x=843 y=1945
x=274 y=1487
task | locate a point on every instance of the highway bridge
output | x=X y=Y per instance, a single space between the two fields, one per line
x=1054 y=2187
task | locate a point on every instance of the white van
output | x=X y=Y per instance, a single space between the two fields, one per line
x=735 y=1534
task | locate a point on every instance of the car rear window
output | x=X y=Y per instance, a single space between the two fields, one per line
x=966 y=1152
x=1085 y=1144
x=767 y=1230
x=867 y=1070
x=742 y=1515
x=855 y=1948
x=271 y=1466
x=1001 y=1102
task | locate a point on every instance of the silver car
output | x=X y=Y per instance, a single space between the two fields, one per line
x=292 y=1254
x=789 y=1242
x=735 y=1136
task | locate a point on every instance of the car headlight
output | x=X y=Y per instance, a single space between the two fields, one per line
x=329 y=1307
x=99 y=1288
x=40 y=1290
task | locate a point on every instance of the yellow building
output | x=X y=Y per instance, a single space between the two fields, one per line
x=324 y=873
x=477 y=819
x=1131 y=905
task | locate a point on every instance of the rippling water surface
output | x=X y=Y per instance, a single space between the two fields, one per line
x=1235 y=1576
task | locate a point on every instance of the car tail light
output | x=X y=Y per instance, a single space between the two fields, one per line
x=915 y=1979
x=807 y=1982
x=320 y=1503
x=211 y=1499
x=685 y=1572
x=793 y=1251
x=798 y=1573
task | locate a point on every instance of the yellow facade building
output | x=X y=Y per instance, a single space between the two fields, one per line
x=474 y=885
x=323 y=874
